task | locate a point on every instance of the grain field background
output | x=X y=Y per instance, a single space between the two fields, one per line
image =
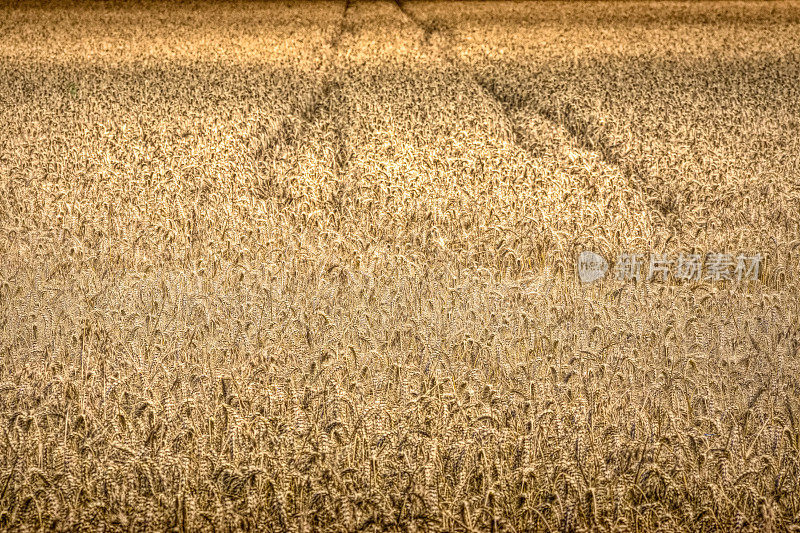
x=311 y=266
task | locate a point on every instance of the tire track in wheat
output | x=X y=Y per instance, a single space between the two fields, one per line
x=577 y=130
x=267 y=187
x=309 y=113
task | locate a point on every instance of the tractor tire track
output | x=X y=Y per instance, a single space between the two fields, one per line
x=579 y=131
x=311 y=110
x=293 y=127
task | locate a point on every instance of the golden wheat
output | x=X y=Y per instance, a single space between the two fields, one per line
x=311 y=266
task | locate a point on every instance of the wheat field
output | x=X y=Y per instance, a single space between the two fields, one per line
x=311 y=266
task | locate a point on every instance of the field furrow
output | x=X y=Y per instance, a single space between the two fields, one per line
x=689 y=101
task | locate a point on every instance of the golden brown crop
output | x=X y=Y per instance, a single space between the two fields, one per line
x=311 y=266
